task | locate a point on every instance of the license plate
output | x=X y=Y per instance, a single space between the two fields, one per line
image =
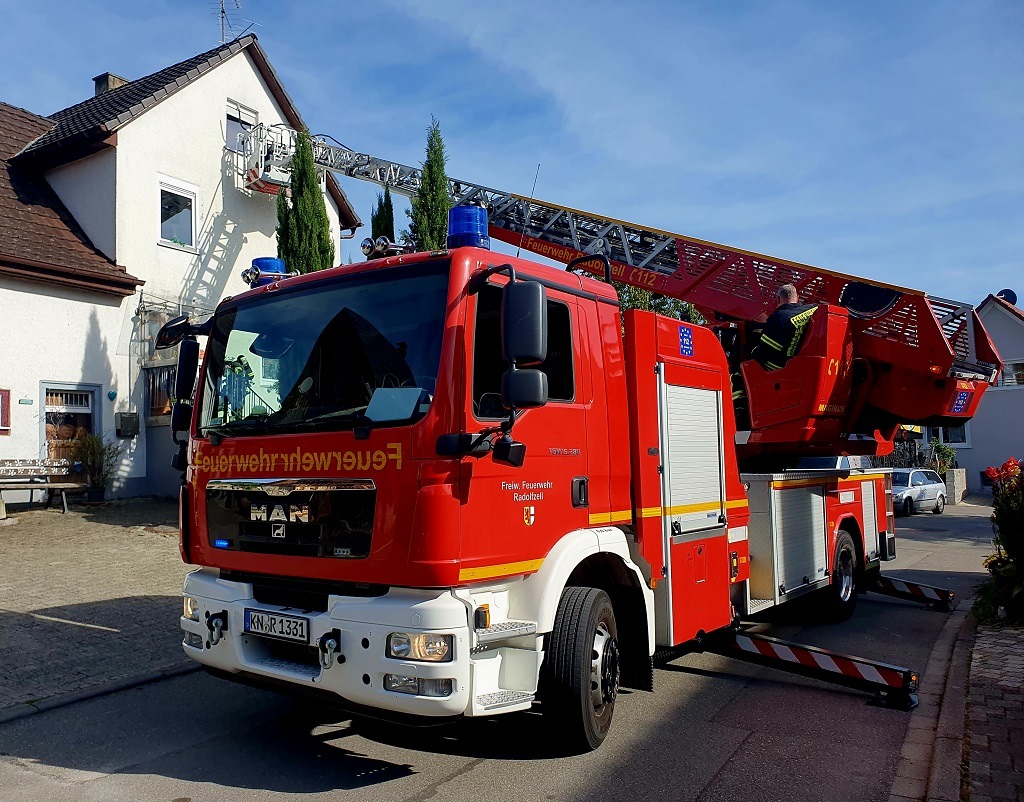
x=275 y=625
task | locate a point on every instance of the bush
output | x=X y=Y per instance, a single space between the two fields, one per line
x=99 y=459
x=1007 y=564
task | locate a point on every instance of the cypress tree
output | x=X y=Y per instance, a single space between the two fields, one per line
x=429 y=213
x=304 y=238
x=382 y=220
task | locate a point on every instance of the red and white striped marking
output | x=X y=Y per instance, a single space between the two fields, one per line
x=922 y=592
x=856 y=667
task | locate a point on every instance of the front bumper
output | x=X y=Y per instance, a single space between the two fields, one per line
x=357 y=670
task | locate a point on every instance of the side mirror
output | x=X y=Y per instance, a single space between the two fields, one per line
x=510 y=452
x=524 y=389
x=188 y=369
x=181 y=419
x=172 y=332
x=524 y=323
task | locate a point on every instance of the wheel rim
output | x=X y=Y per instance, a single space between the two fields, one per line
x=604 y=668
x=844 y=572
x=940 y=504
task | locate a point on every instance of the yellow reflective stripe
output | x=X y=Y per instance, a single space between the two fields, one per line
x=769 y=341
x=683 y=509
x=785 y=483
x=507 y=569
x=616 y=516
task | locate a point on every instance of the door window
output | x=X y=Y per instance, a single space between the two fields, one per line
x=488 y=364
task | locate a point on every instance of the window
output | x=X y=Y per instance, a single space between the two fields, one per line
x=5 y=412
x=70 y=412
x=955 y=436
x=239 y=120
x=178 y=203
x=488 y=364
x=1012 y=375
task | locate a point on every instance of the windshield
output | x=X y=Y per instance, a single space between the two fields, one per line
x=900 y=478
x=359 y=350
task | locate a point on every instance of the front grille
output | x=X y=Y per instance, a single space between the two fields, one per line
x=309 y=595
x=298 y=518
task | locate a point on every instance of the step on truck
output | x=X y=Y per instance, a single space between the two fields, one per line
x=457 y=483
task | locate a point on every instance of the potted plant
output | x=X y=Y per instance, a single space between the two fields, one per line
x=1007 y=564
x=99 y=458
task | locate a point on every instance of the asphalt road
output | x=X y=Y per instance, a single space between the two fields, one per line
x=714 y=729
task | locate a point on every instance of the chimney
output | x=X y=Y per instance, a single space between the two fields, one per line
x=107 y=81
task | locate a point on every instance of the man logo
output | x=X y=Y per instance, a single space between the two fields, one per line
x=277 y=530
x=529 y=515
x=297 y=513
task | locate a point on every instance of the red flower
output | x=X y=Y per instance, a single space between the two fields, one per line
x=992 y=473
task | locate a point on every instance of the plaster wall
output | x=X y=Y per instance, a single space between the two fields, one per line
x=1006 y=332
x=88 y=188
x=69 y=337
x=183 y=139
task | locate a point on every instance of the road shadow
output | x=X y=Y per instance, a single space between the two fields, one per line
x=58 y=650
x=144 y=511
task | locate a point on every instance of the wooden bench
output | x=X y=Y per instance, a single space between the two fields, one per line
x=36 y=474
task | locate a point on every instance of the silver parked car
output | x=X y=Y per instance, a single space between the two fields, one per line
x=918 y=490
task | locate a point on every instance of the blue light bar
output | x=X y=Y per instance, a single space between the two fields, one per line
x=264 y=270
x=222 y=544
x=467 y=225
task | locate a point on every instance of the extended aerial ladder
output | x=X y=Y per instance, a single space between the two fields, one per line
x=880 y=356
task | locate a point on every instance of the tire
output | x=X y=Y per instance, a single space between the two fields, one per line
x=581 y=671
x=908 y=507
x=843 y=588
x=940 y=504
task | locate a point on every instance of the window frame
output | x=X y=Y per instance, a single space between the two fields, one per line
x=183 y=189
x=5 y=412
x=569 y=308
x=941 y=432
x=248 y=119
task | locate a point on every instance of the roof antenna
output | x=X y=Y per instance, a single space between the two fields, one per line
x=529 y=208
x=225 y=22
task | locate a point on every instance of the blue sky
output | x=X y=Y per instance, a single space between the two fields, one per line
x=883 y=139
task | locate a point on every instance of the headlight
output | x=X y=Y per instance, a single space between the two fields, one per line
x=426 y=647
x=190 y=608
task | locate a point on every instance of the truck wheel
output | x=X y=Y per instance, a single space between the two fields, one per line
x=908 y=507
x=843 y=589
x=940 y=505
x=581 y=670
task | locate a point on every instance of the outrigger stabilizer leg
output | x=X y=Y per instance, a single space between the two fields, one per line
x=939 y=598
x=894 y=686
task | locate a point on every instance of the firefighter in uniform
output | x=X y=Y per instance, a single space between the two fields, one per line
x=778 y=342
x=783 y=330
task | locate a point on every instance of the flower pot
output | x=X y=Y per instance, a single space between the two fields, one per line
x=95 y=494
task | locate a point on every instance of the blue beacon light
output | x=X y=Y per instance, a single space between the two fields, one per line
x=264 y=270
x=221 y=544
x=467 y=225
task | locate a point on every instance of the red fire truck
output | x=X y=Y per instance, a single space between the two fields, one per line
x=457 y=483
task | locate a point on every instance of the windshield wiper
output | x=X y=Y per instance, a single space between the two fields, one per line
x=235 y=428
x=354 y=415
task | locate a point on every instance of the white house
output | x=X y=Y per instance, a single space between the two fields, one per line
x=996 y=432
x=116 y=213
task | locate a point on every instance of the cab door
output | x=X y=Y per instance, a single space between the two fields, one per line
x=511 y=516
